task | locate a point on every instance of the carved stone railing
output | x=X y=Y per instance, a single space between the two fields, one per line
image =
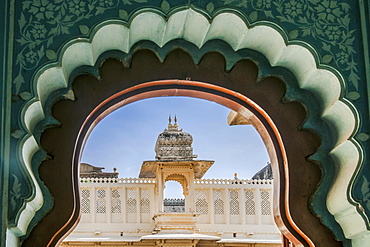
x=196 y=181
x=232 y=181
x=218 y=201
x=85 y=180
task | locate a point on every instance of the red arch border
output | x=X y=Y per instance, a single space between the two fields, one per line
x=195 y=89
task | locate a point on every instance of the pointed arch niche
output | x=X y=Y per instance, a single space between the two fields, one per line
x=278 y=86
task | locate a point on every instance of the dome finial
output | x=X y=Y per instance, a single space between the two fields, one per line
x=170 y=125
x=175 y=125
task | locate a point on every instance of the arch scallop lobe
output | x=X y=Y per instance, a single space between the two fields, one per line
x=53 y=81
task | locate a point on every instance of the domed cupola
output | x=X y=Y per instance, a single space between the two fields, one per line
x=174 y=144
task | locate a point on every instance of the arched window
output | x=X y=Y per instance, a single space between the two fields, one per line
x=174 y=200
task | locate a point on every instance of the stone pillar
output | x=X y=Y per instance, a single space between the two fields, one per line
x=153 y=201
x=191 y=194
x=160 y=184
x=187 y=201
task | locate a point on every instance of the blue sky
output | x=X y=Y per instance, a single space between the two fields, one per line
x=127 y=137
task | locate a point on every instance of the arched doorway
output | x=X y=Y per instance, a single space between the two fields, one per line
x=78 y=117
x=293 y=63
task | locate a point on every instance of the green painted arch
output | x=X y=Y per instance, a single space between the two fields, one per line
x=195 y=28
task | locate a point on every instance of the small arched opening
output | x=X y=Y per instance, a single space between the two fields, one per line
x=174 y=199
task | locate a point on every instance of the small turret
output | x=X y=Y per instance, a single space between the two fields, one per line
x=174 y=144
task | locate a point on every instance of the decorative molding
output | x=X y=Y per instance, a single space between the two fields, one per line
x=328 y=23
x=231 y=181
x=152 y=181
x=118 y=180
x=196 y=29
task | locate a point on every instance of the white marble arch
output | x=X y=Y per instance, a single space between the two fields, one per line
x=195 y=28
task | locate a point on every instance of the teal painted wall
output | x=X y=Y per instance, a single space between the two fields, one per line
x=34 y=32
x=5 y=91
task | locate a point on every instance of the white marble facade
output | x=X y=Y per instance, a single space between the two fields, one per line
x=214 y=212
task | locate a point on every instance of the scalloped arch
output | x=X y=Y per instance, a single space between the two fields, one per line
x=184 y=183
x=195 y=28
x=173 y=174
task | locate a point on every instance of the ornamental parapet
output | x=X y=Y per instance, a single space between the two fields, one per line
x=85 y=180
x=214 y=181
x=232 y=181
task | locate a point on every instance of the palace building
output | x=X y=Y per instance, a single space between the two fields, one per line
x=297 y=70
x=214 y=212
